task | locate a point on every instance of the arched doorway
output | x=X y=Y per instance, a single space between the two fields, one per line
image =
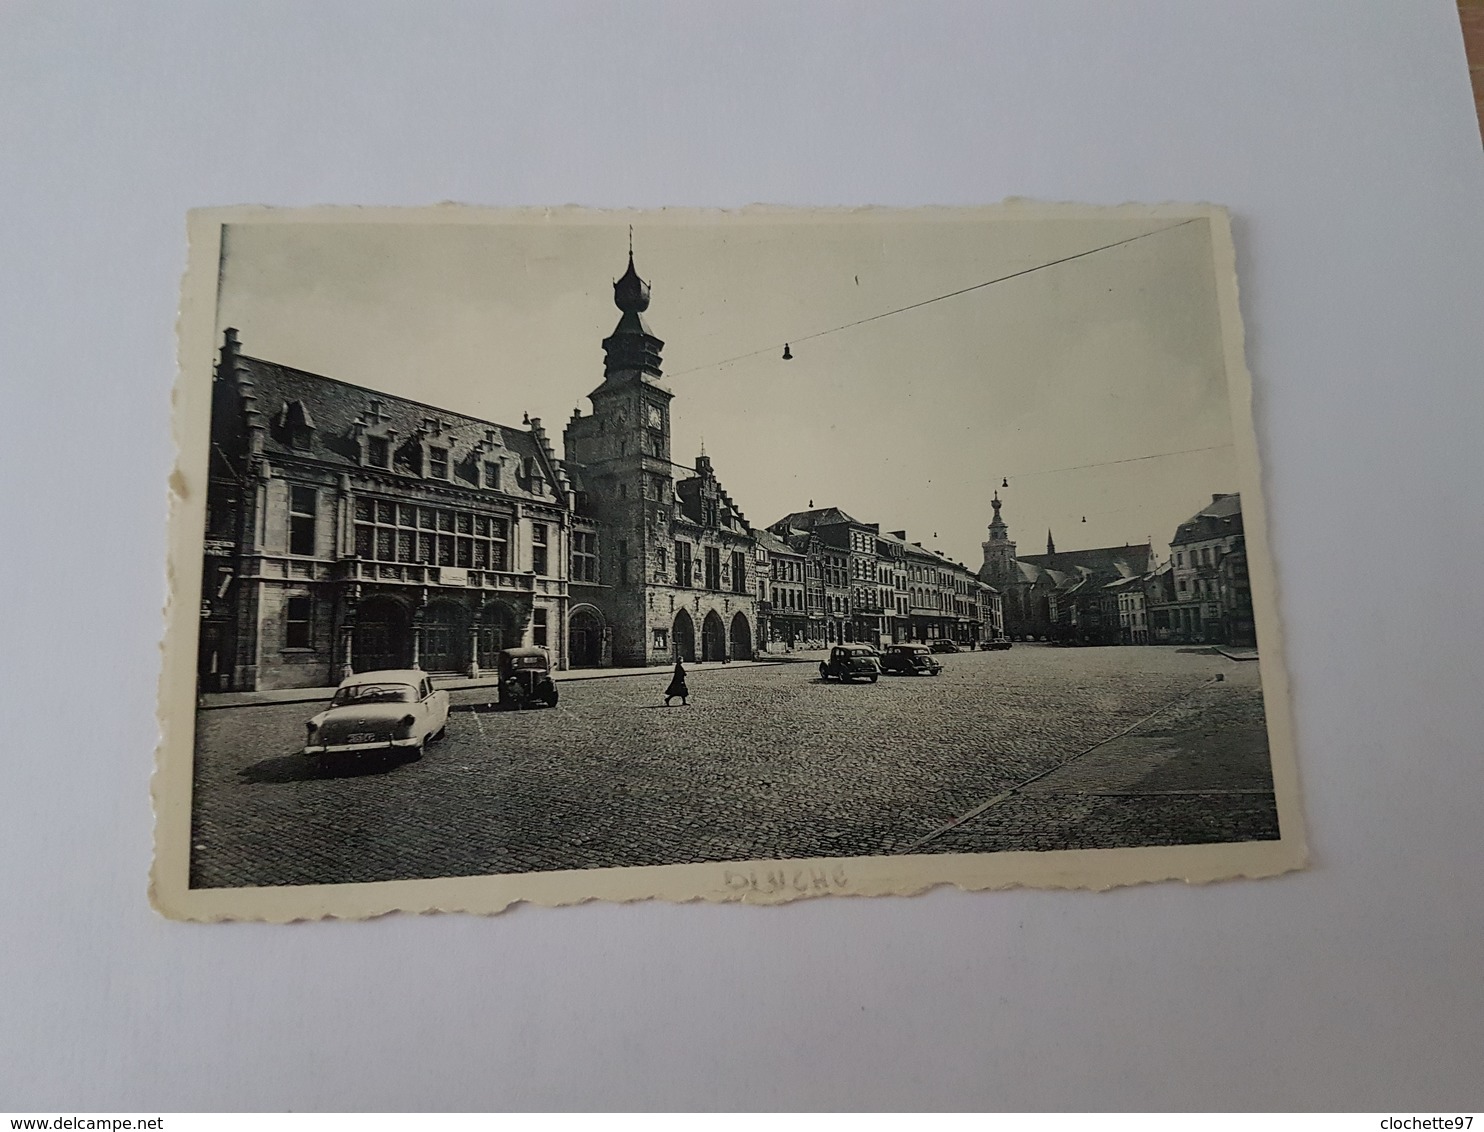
x=445 y=638
x=585 y=639
x=741 y=638
x=684 y=636
x=382 y=637
x=713 y=637
x=496 y=631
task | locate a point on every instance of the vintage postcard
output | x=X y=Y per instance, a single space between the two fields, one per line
x=558 y=555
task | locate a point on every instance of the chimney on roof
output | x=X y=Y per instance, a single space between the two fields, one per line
x=899 y=534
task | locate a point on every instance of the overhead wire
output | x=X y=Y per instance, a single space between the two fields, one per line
x=935 y=299
x=1126 y=460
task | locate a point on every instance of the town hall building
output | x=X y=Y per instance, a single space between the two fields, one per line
x=349 y=530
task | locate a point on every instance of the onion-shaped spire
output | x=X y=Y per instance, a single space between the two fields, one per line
x=630 y=293
x=631 y=347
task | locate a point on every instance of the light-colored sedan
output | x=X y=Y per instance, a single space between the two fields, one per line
x=379 y=711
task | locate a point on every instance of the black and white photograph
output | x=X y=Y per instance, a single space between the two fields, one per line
x=758 y=555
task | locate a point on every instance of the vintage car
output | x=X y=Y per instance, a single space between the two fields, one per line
x=851 y=662
x=944 y=645
x=996 y=644
x=910 y=660
x=525 y=679
x=379 y=711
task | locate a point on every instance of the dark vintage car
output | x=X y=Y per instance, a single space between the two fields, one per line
x=851 y=662
x=525 y=679
x=910 y=660
x=944 y=645
x=996 y=644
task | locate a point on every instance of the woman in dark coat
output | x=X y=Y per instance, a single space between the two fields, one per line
x=677 y=687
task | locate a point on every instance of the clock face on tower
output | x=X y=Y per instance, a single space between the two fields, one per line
x=655 y=417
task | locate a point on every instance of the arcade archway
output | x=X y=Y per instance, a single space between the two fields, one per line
x=741 y=638
x=445 y=638
x=684 y=636
x=382 y=637
x=497 y=630
x=713 y=637
x=585 y=639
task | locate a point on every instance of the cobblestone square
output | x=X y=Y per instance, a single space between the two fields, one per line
x=766 y=763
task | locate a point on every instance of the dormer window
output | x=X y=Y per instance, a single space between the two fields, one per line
x=438 y=463
x=297 y=425
x=492 y=475
x=378 y=452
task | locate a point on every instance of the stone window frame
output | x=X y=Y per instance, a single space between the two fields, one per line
x=420 y=535
x=540 y=551
x=290 y=621
x=584 y=556
x=303 y=523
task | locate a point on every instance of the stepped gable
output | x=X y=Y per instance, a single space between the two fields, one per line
x=316 y=418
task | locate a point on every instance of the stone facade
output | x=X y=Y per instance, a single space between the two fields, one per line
x=349 y=530
x=679 y=558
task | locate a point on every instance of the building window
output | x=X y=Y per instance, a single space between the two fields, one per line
x=492 y=476
x=739 y=572
x=538 y=628
x=296 y=623
x=661 y=640
x=438 y=463
x=584 y=556
x=683 y=565
x=623 y=561
x=303 y=503
x=713 y=567
x=387 y=532
x=378 y=452
x=659 y=554
x=538 y=548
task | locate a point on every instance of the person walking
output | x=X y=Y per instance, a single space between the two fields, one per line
x=677 y=687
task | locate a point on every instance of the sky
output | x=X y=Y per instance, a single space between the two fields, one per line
x=911 y=421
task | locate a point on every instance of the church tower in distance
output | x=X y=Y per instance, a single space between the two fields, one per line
x=999 y=552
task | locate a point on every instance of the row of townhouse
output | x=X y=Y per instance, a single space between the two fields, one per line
x=826 y=577
x=1121 y=595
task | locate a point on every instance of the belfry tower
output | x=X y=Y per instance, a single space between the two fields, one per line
x=999 y=552
x=622 y=453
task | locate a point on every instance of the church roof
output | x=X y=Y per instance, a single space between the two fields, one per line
x=1120 y=560
x=330 y=410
